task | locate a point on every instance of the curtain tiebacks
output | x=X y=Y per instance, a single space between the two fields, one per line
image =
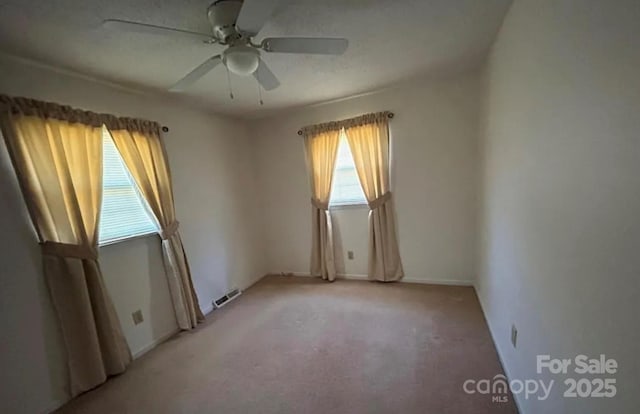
x=319 y=205
x=380 y=200
x=69 y=250
x=169 y=231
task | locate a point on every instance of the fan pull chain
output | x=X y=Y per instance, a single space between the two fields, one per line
x=229 y=82
x=259 y=88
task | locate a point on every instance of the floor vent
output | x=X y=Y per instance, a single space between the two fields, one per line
x=218 y=303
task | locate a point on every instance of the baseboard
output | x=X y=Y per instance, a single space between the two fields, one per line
x=448 y=282
x=207 y=309
x=350 y=276
x=155 y=343
x=253 y=282
x=307 y=274
x=492 y=332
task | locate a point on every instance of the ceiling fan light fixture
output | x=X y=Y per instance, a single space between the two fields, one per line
x=241 y=60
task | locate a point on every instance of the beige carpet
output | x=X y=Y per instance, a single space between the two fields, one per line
x=299 y=345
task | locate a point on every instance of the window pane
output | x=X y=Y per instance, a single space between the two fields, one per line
x=124 y=212
x=346 y=185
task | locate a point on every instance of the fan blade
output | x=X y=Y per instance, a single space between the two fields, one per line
x=254 y=14
x=136 y=27
x=196 y=74
x=307 y=45
x=265 y=77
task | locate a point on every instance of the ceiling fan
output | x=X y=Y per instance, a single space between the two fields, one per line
x=234 y=23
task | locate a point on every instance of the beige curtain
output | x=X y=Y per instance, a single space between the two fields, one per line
x=321 y=150
x=369 y=145
x=144 y=155
x=59 y=167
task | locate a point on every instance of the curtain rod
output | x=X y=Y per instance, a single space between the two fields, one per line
x=389 y=115
x=46 y=109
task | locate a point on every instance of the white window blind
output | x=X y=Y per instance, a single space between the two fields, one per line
x=346 y=189
x=124 y=211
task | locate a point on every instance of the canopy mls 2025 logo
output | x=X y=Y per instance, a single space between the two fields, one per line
x=589 y=378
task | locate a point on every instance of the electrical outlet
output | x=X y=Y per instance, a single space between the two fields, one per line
x=137 y=317
x=514 y=335
x=350 y=254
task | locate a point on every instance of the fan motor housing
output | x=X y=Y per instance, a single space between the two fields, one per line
x=223 y=15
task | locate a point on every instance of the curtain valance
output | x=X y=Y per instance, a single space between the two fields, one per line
x=372 y=118
x=49 y=110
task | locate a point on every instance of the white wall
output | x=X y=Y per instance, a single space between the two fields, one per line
x=434 y=166
x=561 y=225
x=214 y=187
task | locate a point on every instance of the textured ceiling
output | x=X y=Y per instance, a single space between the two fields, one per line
x=389 y=41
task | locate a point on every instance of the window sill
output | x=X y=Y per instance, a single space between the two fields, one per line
x=348 y=206
x=127 y=238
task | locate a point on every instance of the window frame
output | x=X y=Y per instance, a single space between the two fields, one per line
x=145 y=206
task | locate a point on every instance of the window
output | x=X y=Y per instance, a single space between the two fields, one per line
x=346 y=189
x=125 y=213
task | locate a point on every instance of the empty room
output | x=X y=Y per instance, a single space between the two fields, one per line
x=340 y=206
